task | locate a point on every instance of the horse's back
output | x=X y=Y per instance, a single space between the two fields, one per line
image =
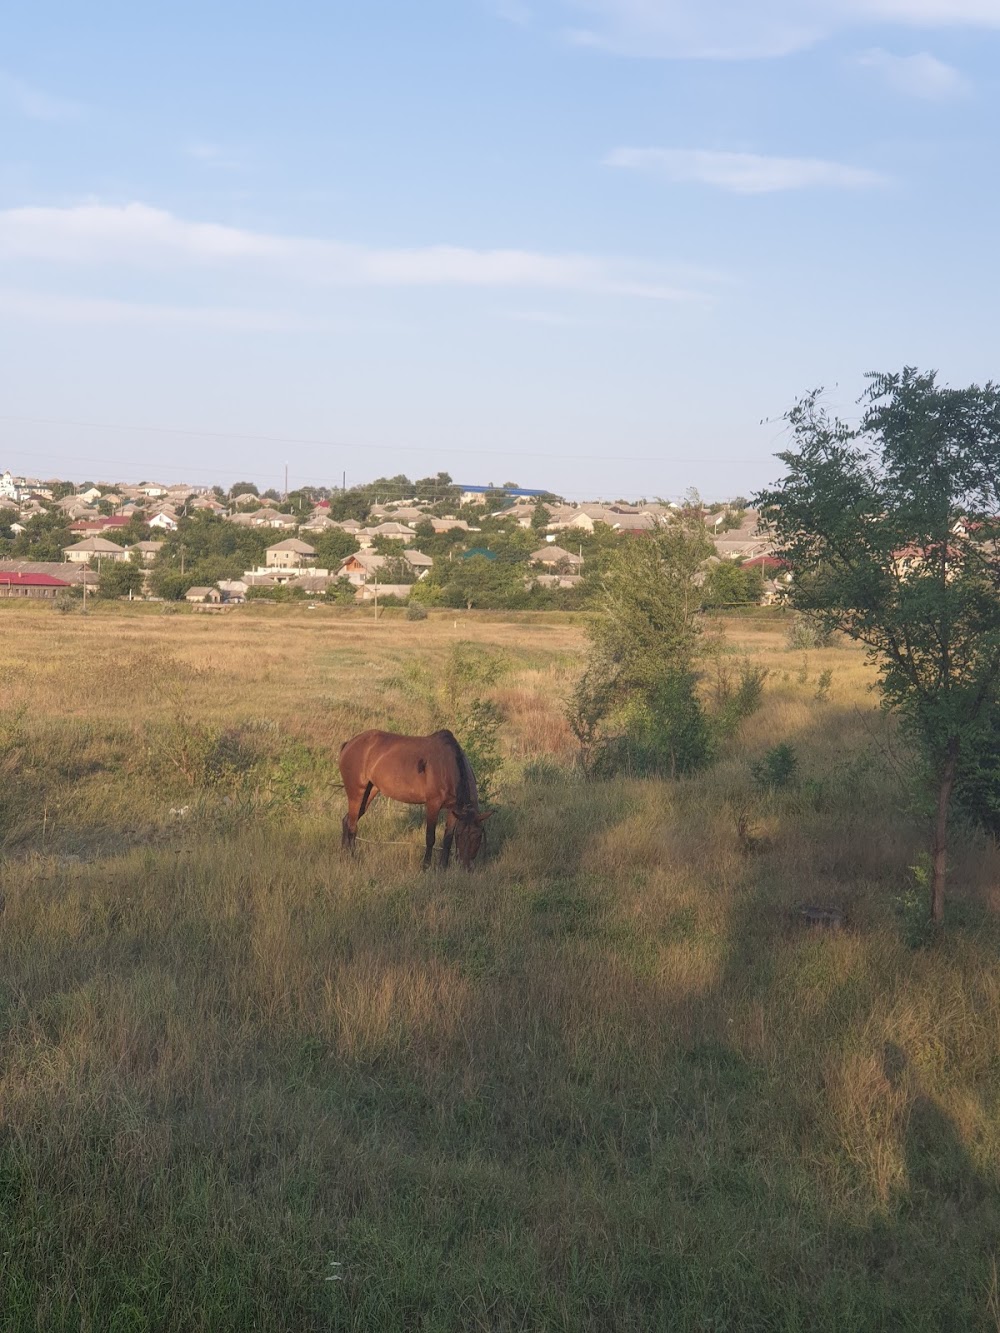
x=408 y=768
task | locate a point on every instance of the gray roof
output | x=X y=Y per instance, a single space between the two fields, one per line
x=99 y=546
x=293 y=544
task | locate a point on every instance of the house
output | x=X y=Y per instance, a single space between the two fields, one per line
x=164 y=521
x=446 y=524
x=361 y=566
x=290 y=554
x=554 y=581
x=9 y=489
x=90 y=496
x=87 y=526
x=554 y=557
x=16 y=584
x=368 y=592
x=318 y=523
x=210 y=596
x=418 y=561
x=151 y=490
x=265 y=518
x=148 y=551
x=94 y=548
x=397 y=531
x=744 y=542
x=233 y=591
x=74 y=574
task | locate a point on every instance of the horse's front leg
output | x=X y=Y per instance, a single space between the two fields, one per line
x=449 y=833
x=432 y=818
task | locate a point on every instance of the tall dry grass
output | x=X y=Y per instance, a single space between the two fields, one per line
x=606 y=1082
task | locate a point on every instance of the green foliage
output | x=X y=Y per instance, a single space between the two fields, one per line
x=807 y=631
x=540 y=518
x=45 y=537
x=728 y=583
x=242 y=488
x=778 y=768
x=476 y=721
x=210 y=549
x=893 y=530
x=738 y=694
x=823 y=683
x=120 y=578
x=415 y=611
x=666 y=733
x=332 y=547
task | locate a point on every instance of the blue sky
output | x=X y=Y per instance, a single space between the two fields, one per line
x=583 y=244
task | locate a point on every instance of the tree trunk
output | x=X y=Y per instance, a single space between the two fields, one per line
x=940 y=847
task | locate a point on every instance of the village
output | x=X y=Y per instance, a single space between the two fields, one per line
x=58 y=540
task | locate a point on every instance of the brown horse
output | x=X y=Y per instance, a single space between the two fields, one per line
x=431 y=771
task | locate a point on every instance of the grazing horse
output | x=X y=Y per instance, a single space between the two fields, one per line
x=431 y=771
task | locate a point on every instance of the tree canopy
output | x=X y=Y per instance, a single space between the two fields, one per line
x=891 y=529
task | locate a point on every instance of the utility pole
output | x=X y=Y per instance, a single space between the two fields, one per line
x=286 y=481
x=376 y=598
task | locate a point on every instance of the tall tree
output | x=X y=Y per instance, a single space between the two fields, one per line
x=891 y=529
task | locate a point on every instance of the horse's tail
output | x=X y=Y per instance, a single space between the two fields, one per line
x=462 y=792
x=364 y=799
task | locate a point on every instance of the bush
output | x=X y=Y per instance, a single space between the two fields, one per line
x=805 y=632
x=666 y=736
x=415 y=611
x=778 y=768
x=740 y=698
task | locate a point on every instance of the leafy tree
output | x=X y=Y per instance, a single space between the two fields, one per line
x=242 y=488
x=488 y=584
x=333 y=546
x=731 y=584
x=120 y=578
x=45 y=537
x=540 y=518
x=642 y=647
x=891 y=529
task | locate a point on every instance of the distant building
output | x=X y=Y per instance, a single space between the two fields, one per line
x=16 y=584
x=94 y=548
x=290 y=554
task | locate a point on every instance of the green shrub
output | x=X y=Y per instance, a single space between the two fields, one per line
x=778 y=768
x=666 y=735
x=415 y=611
x=805 y=632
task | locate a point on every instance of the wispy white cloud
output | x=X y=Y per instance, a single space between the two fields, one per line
x=141 y=236
x=29 y=101
x=921 y=75
x=749 y=29
x=743 y=173
x=43 y=307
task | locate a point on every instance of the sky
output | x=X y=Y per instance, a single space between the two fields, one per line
x=596 y=246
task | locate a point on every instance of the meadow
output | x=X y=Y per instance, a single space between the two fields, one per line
x=608 y=1081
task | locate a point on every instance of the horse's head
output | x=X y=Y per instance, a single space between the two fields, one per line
x=470 y=834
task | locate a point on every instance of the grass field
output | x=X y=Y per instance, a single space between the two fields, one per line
x=607 y=1081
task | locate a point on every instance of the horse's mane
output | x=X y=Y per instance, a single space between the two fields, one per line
x=463 y=793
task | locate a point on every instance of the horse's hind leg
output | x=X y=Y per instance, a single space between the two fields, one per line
x=357 y=804
x=432 y=818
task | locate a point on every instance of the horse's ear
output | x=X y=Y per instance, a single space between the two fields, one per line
x=486 y=814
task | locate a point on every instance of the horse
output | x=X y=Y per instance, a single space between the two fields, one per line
x=432 y=771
